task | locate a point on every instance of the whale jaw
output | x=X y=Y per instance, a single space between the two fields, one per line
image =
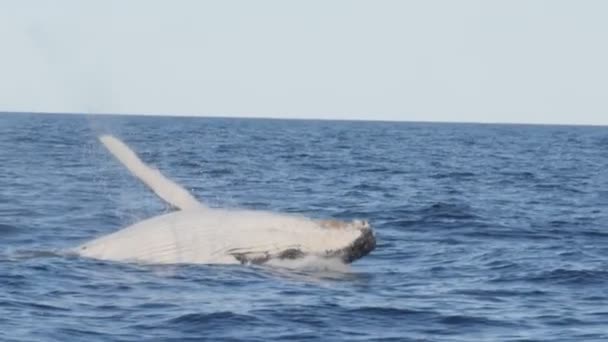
x=360 y=247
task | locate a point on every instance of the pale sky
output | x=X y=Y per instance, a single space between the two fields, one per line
x=529 y=61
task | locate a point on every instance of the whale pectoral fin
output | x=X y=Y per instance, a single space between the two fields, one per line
x=165 y=188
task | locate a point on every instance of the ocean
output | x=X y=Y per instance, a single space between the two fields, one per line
x=484 y=232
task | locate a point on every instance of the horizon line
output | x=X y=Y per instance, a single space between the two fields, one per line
x=270 y=117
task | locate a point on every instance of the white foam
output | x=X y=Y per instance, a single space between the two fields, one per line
x=312 y=263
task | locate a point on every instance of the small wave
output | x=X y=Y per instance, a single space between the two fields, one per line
x=369 y=187
x=436 y=213
x=37 y=306
x=507 y=233
x=557 y=187
x=558 y=320
x=519 y=175
x=214 y=320
x=502 y=293
x=442 y=210
x=454 y=175
x=80 y=334
x=405 y=223
x=20 y=255
x=558 y=276
x=8 y=229
x=567 y=276
x=389 y=311
x=464 y=320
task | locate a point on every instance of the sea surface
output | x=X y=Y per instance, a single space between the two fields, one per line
x=485 y=232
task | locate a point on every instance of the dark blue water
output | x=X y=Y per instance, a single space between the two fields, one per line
x=485 y=232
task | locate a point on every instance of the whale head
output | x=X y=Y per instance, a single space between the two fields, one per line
x=363 y=243
x=347 y=241
x=299 y=238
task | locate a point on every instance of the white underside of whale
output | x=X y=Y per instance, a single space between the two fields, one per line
x=198 y=234
x=216 y=236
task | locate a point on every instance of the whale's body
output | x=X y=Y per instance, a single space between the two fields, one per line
x=217 y=236
x=202 y=235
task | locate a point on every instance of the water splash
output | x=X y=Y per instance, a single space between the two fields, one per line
x=312 y=263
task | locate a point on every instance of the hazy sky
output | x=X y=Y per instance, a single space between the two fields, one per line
x=427 y=60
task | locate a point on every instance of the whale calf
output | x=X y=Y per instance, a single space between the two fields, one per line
x=197 y=234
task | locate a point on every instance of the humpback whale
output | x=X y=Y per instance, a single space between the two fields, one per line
x=197 y=234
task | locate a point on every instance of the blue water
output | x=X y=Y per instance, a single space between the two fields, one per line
x=485 y=232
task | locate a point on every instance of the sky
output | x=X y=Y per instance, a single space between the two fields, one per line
x=515 y=61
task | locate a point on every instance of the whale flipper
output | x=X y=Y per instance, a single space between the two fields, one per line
x=165 y=188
